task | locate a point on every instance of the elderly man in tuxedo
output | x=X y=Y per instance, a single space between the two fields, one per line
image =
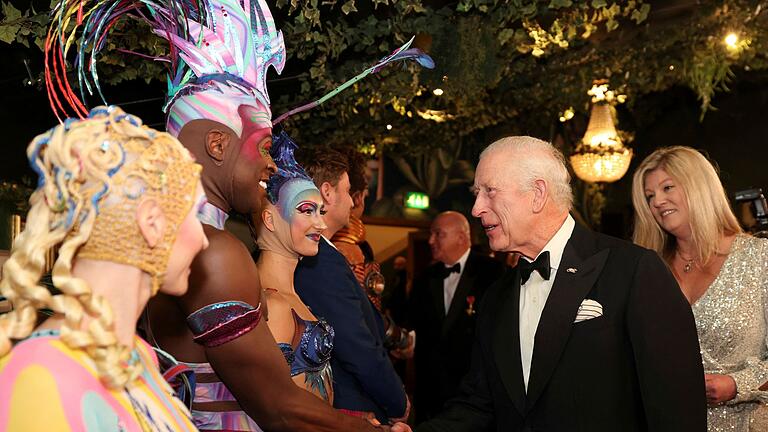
x=443 y=311
x=588 y=333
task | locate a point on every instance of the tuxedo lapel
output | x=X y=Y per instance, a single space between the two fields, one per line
x=506 y=340
x=568 y=291
x=459 y=301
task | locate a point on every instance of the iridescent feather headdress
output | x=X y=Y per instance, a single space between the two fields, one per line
x=220 y=51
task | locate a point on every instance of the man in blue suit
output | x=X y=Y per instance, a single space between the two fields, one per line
x=364 y=381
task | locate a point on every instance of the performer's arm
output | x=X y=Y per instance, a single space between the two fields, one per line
x=666 y=349
x=251 y=366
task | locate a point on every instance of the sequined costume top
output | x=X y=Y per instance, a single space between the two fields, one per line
x=310 y=353
x=47 y=386
x=731 y=322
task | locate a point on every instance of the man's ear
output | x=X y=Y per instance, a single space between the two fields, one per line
x=327 y=192
x=151 y=221
x=357 y=198
x=268 y=218
x=540 y=195
x=216 y=143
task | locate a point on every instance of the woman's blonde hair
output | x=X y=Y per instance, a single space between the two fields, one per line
x=709 y=211
x=89 y=169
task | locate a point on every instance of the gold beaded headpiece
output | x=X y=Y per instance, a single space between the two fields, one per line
x=127 y=164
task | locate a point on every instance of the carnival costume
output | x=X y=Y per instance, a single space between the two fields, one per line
x=309 y=352
x=93 y=174
x=220 y=53
x=219 y=56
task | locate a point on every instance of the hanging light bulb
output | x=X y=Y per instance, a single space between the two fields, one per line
x=601 y=156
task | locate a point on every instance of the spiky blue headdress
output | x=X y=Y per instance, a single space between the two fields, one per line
x=283 y=148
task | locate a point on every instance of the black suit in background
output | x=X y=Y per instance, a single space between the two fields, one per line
x=636 y=368
x=444 y=341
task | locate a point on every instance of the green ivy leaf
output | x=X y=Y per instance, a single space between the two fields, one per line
x=505 y=35
x=10 y=12
x=599 y=4
x=558 y=4
x=640 y=15
x=348 y=7
x=8 y=32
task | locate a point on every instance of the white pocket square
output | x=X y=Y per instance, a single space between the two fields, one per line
x=588 y=309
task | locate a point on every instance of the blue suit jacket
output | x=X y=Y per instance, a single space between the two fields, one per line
x=363 y=376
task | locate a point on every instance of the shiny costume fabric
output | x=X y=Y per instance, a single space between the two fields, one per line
x=214 y=325
x=219 y=323
x=731 y=322
x=310 y=353
x=214 y=390
x=43 y=371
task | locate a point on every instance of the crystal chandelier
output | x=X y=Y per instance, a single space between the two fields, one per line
x=601 y=156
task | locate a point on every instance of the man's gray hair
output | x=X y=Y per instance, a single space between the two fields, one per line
x=536 y=159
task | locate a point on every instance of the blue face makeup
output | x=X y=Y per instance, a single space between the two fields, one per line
x=295 y=192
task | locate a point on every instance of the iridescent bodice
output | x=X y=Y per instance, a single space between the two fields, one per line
x=310 y=353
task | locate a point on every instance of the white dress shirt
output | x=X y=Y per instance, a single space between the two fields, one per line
x=451 y=282
x=535 y=291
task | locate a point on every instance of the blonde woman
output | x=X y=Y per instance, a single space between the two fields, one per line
x=119 y=200
x=682 y=212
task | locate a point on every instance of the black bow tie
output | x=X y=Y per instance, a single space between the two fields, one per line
x=541 y=265
x=456 y=268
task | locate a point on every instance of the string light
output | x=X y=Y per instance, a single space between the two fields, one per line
x=389 y=127
x=732 y=40
x=437 y=92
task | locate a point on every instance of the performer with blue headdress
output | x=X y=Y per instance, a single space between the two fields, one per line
x=290 y=228
x=219 y=108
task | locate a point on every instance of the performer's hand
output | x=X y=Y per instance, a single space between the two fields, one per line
x=407 y=352
x=404 y=418
x=720 y=388
x=401 y=427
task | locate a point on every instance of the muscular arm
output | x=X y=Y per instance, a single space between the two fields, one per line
x=666 y=349
x=252 y=366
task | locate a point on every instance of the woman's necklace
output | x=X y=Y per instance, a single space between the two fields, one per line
x=688 y=266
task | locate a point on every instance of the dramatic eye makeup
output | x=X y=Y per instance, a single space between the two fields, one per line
x=307 y=207
x=265 y=148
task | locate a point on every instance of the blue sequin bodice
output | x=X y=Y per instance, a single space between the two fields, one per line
x=310 y=352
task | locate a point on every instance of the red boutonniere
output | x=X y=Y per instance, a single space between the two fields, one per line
x=471 y=305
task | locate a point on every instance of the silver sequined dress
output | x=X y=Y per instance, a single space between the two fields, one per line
x=731 y=320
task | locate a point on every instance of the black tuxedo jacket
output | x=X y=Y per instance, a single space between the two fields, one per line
x=444 y=341
x=635 y=368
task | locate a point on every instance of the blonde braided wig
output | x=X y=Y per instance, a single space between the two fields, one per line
x=93 y=173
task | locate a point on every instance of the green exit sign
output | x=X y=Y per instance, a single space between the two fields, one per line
x=416 y=200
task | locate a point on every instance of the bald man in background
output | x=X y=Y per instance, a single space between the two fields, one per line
x=443 y=311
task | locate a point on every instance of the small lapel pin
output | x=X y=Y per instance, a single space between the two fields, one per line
x=571 y=270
